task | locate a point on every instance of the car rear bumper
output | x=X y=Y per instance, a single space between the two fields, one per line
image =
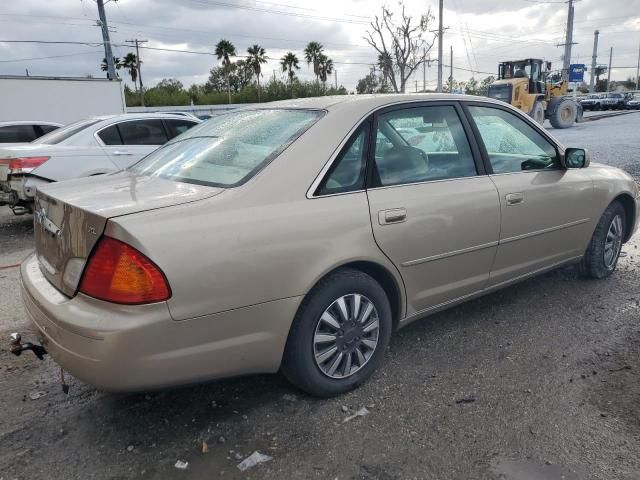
x=136 y=348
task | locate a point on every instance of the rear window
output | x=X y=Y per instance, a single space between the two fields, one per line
x=63 y=133
x=228 y=149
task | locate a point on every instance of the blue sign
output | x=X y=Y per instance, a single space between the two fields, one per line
x=576 y=72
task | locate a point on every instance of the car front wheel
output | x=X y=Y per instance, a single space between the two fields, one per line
x=339 y=335
x=601 y=257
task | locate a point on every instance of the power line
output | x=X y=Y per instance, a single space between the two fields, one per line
x=50 y=56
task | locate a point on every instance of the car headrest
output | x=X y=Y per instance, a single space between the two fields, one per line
x=402 y=158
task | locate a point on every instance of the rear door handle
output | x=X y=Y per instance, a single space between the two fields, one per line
x=514 y=198
x=393 y=215
x=121 y=153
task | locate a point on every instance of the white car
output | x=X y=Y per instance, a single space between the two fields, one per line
x=93 y=146
x=24 y=131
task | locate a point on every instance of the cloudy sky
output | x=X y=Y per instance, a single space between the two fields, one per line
x=482 y=33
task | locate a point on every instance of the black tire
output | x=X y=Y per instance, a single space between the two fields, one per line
x=565 y=114
x=537 y=112
x=594 y=263
x=299 y=363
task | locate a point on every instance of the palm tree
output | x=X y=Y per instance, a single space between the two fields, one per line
x=225 y=50
x=312 y=55
x=325 y=68
x=257 y=56
x=289 y=63
x=116 y=64
x=130 y=64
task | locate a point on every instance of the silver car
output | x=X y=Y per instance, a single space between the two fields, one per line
x=93 y=146
x=297 y=236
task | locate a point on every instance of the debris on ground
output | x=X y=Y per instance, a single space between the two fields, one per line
x=205 y=447
x=130 y=448
x=469 y=399
x=252 y=460
x=180 y=465
x=345 y=409
x=289 y=397
x=36 y=395
x=360 y=413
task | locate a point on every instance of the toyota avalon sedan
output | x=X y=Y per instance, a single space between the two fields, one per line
x=298 y=235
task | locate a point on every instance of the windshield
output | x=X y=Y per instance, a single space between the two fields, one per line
x=228 y=149
x=61 y=134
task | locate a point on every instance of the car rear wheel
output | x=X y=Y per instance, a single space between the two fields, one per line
x=601 y=257
x=339 y=334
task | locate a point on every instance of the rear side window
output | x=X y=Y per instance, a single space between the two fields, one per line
x=176 y=127
x=142 y=132
x=230 y=148
x=17 y=133
x=110 y=136
x=44 y=129
x=348 y=171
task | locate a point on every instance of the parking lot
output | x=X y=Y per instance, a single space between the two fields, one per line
x=540 y=380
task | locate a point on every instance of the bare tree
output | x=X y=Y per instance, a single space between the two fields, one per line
x=400 y=45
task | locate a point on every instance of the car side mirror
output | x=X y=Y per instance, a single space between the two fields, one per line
x=576 y=158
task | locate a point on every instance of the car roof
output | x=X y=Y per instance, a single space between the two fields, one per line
x=29 y=122
x=372 y=101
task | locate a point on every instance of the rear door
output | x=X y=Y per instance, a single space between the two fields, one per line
x=128 y=141
x=434 y=213
x=545 y=207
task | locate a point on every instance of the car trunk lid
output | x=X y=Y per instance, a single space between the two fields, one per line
x=70 y=217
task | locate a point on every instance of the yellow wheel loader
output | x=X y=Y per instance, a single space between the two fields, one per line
x=527 y=85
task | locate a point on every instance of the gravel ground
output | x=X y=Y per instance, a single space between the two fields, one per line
x=538 y=381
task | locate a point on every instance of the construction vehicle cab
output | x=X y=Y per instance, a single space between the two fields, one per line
x=527 y=85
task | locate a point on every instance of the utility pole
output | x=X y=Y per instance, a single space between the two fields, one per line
x=451 y=70
x=594 y=61
x=609 y=70
x=568 y=43
x=638 y=71
x=424 y=70
x=111 y=71
x=440 y=35
x=138 y=62
x=335 y=75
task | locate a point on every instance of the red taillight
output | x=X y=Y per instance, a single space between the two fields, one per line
x=23 y=163
x=119 y=273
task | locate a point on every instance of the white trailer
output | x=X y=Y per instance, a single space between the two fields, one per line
x=58 y=99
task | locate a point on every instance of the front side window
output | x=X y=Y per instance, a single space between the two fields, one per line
x=421 y=144
x=230 y=148
x=142 y=132
x=348 y=171
x=511 y=143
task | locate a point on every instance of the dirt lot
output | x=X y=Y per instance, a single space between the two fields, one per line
x=541 y=380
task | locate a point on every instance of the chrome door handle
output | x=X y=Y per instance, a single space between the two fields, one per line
x=393 y=215
x=514 y=198
x=120 y=153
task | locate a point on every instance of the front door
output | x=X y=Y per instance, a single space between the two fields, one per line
x=432 y=214
x=545 y=207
